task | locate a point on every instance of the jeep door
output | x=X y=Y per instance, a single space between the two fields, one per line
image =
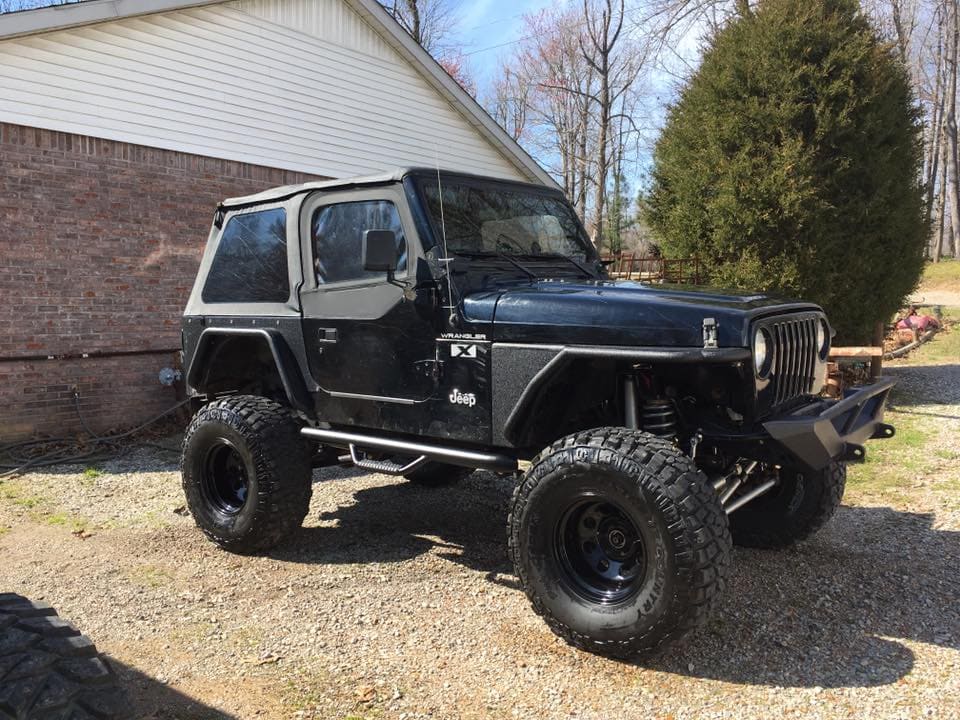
x=370 y=341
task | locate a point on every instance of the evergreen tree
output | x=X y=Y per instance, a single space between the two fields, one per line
x=791 y=163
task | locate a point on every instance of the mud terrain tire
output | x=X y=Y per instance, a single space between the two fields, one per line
x=246 y=473
x=800 y=505
x=49 y=671
x=619 y=541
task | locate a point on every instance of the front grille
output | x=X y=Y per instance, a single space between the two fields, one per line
x=794 y=365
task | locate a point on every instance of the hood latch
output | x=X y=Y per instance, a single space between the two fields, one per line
x=709 y=332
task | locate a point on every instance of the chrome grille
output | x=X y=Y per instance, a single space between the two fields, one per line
x=794 y=356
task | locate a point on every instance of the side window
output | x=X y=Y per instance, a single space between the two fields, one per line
x=251 y=260
x=337 y=235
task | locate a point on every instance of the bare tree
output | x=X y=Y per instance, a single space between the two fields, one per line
x=551 y=76
x=430 y=22
x=509 y=101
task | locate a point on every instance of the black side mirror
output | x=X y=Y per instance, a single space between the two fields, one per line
x=380 y=250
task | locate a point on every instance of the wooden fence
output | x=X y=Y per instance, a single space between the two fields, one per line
x=630 y=266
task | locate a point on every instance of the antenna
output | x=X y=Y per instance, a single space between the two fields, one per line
x=446 y=254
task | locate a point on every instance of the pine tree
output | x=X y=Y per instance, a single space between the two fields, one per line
x=791 y=163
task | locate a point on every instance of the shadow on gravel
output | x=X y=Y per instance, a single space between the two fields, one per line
x=919 y=385
x=830 y=612
x=399 y=522
x=153 y=700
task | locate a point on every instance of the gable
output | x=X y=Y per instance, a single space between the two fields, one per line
x=303 y=85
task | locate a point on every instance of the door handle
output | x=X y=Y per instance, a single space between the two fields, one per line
x=327 y=335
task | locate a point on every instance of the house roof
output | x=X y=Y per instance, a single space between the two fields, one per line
x=89 y=12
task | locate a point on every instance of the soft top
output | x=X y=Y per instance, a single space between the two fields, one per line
x=285 y=191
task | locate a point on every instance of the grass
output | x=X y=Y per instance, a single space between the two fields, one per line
x=38 y=509
x=150 y=576
x=918 y=453
x=891 y=463
x=91 y=473
x=944 y=275
x=945 y=345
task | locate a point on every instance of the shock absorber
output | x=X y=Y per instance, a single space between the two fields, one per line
x=659 y=417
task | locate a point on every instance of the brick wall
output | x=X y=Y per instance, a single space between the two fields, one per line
x=99 y=245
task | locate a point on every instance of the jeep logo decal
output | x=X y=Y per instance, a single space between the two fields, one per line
x=459 y=398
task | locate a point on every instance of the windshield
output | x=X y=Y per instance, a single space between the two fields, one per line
x=481 y=218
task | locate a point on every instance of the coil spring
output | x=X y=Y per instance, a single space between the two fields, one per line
x=659 y=418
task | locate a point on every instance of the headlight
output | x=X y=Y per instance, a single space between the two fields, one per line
x=823 y=339
x=761 y=353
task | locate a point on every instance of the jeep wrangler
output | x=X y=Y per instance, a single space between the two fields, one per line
x=427 y=324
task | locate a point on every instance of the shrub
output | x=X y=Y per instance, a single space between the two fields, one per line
x=791 y=163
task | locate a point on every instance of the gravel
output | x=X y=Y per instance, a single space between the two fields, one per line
x=397 y=601
x=936 y=297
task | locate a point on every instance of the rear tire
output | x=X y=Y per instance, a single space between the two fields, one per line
x=797 y=507
x=246 y=472
x=49 y=671
x=619 y=541
x=438 y=474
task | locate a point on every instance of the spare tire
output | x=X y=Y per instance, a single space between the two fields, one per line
x=49 y=671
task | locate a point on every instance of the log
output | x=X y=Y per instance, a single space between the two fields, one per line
x=866 y=351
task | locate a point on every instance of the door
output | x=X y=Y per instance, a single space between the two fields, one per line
x=370 y=339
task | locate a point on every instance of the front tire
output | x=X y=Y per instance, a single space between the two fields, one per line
x=246 y=472
x=618 y=541
x=795 y=509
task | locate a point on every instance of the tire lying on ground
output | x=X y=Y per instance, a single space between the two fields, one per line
x=49 y=671
x=246 y=472
x=619 y=541
x=438 y=474
x=800 y=504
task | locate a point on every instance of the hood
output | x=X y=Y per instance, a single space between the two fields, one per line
x=619 y=313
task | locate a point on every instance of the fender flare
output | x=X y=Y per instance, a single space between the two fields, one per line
x=283 y=358
x=564 y=355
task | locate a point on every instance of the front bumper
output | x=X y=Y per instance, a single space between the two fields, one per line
x=827 y=430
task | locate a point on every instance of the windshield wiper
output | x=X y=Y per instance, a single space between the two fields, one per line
x=502 y=256
x=569 y=260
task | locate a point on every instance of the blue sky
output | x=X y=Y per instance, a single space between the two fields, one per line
x=486 y=24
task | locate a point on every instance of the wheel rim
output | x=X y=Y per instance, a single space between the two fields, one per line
x=225 y=479
x=601 y=552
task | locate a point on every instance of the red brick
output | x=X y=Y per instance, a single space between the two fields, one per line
x=99 y=244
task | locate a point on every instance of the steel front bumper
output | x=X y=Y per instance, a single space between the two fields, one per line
x=827 y=430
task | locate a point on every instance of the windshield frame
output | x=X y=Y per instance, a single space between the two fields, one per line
x=419 y=180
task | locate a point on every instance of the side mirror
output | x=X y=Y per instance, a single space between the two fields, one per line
x=380 y=250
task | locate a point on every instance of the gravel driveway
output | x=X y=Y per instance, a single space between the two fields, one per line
x=397 y=601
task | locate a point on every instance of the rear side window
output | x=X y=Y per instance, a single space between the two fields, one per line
x=337 y=232
x=251 y=260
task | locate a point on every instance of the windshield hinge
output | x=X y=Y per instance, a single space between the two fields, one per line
x=709 y=333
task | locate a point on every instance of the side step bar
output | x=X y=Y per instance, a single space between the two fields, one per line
x=440 y=453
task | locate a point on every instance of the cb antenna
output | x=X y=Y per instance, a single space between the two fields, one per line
x=447 y=260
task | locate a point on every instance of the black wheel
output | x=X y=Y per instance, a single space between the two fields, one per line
x=797 y=507
x=619 y=541
x=246 y=472
x=49 y=671
x=437 y=474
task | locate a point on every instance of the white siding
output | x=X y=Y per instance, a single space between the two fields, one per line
x=329 y=20
x=331 y=99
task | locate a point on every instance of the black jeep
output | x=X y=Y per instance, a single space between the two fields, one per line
x=428 y=324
